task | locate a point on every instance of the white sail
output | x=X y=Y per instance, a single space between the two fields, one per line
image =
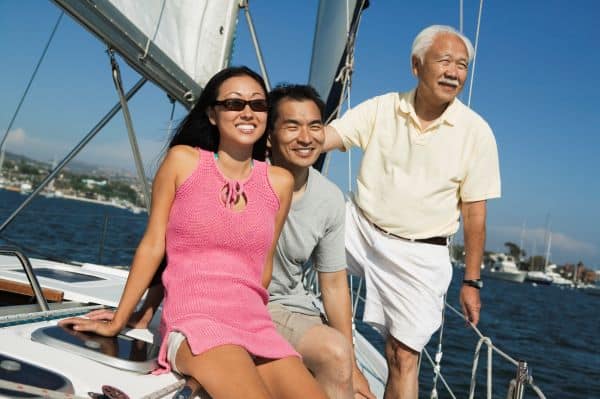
x=178 y=45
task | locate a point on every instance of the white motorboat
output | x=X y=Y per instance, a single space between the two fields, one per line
x=539 y=277
x=559 y=280
x=503 y=267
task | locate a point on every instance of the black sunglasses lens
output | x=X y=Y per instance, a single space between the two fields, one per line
x=234 y=104
x=259 y=105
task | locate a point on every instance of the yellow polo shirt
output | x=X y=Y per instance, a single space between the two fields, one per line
x=410 y=181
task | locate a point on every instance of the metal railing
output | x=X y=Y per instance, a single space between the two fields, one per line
x=33 y=281
x=517 y=385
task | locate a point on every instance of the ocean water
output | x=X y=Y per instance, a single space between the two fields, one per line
x=557 y=331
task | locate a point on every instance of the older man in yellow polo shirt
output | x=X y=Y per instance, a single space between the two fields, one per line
x=427 y=159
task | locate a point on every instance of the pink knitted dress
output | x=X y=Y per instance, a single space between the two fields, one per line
x=216 y=255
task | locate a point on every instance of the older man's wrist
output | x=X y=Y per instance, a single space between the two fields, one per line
x=474 y=283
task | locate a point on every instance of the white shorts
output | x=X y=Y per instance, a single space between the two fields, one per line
x=173 y=342
x=405 y=281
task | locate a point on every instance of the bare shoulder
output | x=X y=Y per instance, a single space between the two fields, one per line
x=281 y=179
x=182 y=153
x=179 y=162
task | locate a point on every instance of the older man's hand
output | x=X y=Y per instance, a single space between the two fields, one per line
x=471 y=303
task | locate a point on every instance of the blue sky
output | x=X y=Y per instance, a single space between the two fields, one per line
x=536 y=84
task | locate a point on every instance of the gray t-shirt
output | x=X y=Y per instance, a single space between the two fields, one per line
x=313 y=235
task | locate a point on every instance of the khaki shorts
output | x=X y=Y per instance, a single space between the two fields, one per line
x=292 y=325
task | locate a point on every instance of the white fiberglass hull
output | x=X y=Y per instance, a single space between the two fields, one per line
x=515 y=277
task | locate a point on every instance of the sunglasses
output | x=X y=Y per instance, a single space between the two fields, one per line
x=236 y=104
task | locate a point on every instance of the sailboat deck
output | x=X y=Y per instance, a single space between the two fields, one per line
x=86 y=375
x=87 y=283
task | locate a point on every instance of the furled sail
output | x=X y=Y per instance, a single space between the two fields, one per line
x=337 y=24
x=178 y=45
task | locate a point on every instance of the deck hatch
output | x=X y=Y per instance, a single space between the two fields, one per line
x=121 y=352
x=62 y=275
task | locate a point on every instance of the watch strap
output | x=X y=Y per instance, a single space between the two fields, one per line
x=475 y=283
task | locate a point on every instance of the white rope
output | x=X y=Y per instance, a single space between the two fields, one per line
x=475 y=54
x=438 y=357
x=441 y=376
x=150 y=40
x=345 y=76
x=491 y=348
x=496 y=349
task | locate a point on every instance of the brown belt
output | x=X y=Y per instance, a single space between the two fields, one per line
x=431 y=240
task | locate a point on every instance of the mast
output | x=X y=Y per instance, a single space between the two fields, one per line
x=521 y=241
x=547 y=239
x=548 y=251
x=533 y=249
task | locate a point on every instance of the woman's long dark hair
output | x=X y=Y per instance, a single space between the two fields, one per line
x=196 y=130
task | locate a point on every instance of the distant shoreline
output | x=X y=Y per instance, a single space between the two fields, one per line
x=134 y=209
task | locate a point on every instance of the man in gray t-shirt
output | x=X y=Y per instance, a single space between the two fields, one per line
x=313 y=236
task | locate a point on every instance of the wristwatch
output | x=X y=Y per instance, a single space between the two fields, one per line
x=475 y=283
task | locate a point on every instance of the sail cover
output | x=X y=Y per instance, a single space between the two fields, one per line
x=178 y=45
x=337 y=23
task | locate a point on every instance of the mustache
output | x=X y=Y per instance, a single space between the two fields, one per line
x=450 y=81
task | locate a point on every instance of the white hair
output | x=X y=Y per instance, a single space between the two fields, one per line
x=425 y=38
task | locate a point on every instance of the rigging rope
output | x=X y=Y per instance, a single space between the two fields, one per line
x=460 y=16
x=438 y=357
x=33 y=75
x=345 y=77
x=475 y=53
x=441 y=376
x=150 y=40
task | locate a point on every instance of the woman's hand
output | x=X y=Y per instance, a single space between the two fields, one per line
x=106 y=328
x=138 y=319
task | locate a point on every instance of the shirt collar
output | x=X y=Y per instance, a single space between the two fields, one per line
x=406 y=106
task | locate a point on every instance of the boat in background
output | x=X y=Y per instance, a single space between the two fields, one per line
x=503 y=267
x=557 y=279
x=538 y=277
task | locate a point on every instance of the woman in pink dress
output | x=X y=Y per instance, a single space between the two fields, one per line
x=217 y=210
